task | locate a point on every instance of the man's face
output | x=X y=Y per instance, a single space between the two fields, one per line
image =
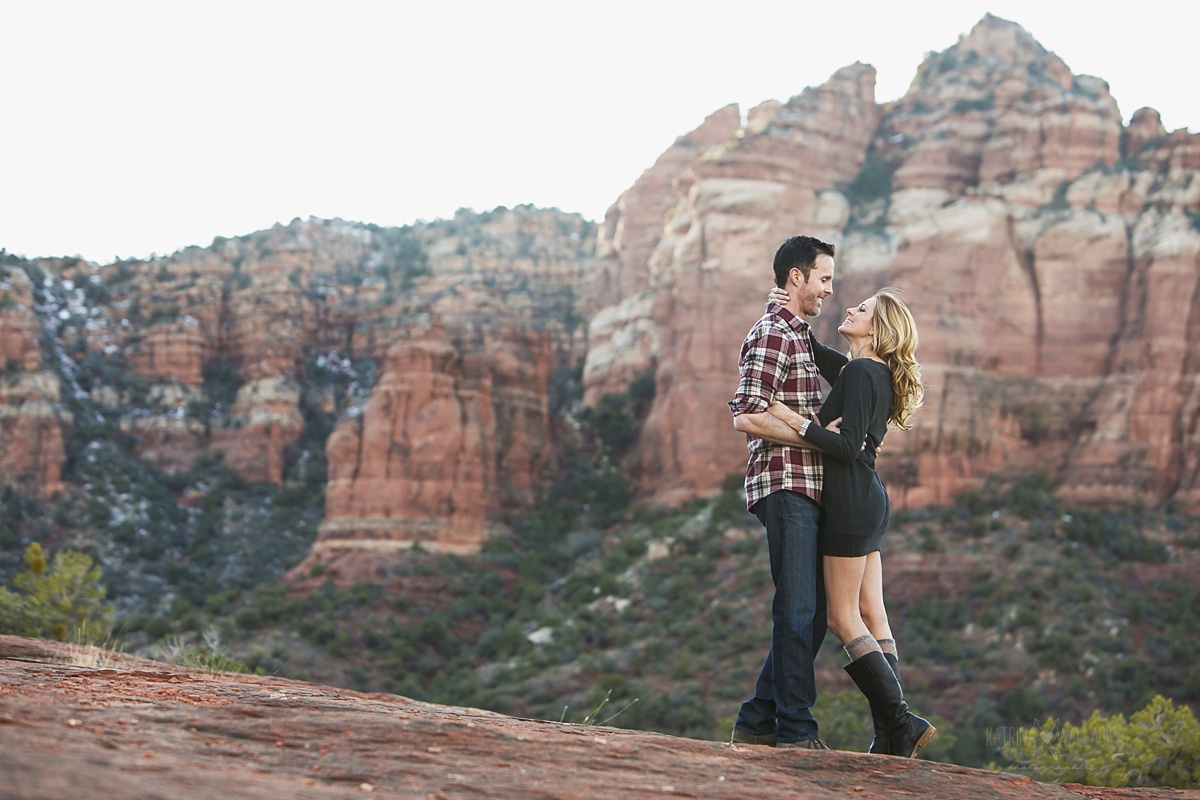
x=816 y=289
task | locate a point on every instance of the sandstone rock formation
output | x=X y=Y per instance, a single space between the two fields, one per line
x=226 y=348
x=129 y=727
x=457 y=432
x=265 y=419
x=454 y=433
x=32 y=429
x=19 y=328
x=622 y=338
x=32 y=423
x=1049 y=253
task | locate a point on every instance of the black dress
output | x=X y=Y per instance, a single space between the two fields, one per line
x=854 y=500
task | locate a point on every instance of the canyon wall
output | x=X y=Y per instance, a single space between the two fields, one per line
x=1049 y=253
x=33 y=424
x=430 y=347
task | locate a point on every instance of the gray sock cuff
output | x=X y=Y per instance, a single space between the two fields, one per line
x=889 y=646
x=857 y=648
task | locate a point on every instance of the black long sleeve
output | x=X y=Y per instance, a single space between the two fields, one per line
x=853 y=498
x=829 y=361
x=859 y=408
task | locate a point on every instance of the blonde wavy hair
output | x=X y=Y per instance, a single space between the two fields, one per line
x=895 y=341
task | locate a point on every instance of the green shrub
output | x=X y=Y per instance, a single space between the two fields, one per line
x=1031 y=496
x=984 y=103
x=221 y=383
x=12 y=513
x=164 y=314
x=616 y=419
x=730 y=504
x=1024 y=702
x=53 y=600
x=207 y=656
x=873 y=182
x=1115 y=536
x=1157 y=746
x=613 y=425
x=608 y=498
x=845 y=720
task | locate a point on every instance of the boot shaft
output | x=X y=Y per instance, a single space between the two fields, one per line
x=874 y=677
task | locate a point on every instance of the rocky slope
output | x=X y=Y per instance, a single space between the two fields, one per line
x=32 y=420
x=1049 y=253
x=431 y=348
x=127 y=727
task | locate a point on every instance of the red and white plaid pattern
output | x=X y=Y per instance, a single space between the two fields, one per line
x=777 y=364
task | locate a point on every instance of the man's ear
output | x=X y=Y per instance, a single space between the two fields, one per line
x=795 y=276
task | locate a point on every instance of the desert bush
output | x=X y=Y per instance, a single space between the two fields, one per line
x=52 y=599
x=616 y=419
x=207 y=655
x=1157 y=746
x=874 y=181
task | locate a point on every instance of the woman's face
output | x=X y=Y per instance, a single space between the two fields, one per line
x=859 y=322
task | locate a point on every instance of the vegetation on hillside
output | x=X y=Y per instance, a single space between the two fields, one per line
x=1010 y=608
x=663 y=617
x=1157 y=746
x=55 y=598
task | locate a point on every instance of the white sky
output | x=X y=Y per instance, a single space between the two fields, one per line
x=129 y=128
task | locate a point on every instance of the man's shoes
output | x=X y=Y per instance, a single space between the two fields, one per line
x=741 y=737
x=805 y=744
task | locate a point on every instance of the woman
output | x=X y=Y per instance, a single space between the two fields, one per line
x=879 y=386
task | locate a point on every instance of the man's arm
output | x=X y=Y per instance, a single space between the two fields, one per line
x=765 y=363
x=763 y=367
x=771 y=428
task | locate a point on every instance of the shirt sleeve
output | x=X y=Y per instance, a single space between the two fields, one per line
x=859 y=399
x=765 y=363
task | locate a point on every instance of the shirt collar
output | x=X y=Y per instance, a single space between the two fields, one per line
x=794 y=322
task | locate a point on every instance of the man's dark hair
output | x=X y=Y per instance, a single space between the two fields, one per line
x=799 y=252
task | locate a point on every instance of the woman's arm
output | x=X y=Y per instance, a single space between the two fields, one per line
x=829 y=362
x=859 y=399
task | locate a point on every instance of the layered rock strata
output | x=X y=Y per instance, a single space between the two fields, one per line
x=1049 y=253
x=33 y=425
x=455 y=433
x=226 y=348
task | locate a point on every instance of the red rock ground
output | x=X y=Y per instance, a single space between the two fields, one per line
x=141 y=729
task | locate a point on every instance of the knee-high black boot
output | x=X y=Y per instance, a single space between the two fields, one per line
x=879 y=744
x=906 y=732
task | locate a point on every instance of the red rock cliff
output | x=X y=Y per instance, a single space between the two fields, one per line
x=454 y=433
x=457 y=432
x=1049 y=254
x=32 y=424
x=225 y=348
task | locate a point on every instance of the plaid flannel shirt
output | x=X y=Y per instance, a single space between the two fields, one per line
x=777 y=364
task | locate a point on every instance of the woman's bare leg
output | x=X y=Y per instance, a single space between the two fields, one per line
x=843 y=587
x=870 y=598
x=898 y=731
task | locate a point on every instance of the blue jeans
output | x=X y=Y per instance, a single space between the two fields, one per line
x=787 y=687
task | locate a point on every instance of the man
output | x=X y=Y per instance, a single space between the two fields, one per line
x=783 y=489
